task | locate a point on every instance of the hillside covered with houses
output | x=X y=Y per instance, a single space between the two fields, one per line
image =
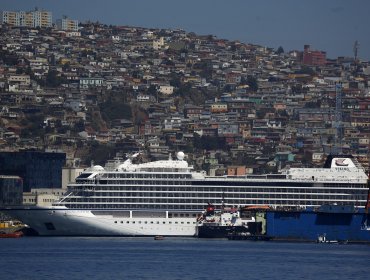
x=232 y=107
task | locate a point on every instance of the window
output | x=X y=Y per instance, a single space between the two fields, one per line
x=49 y=226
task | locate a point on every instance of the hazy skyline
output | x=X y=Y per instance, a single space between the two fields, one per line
x=331 y=25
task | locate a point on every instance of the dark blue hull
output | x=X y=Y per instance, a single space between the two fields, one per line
x=335 y=224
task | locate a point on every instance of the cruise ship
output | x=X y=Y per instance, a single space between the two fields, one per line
x=167 y=197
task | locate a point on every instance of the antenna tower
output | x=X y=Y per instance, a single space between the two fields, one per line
x=355 y=49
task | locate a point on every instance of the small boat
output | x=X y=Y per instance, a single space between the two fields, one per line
x=158 y=237
x=16 y=234
x=322 y=239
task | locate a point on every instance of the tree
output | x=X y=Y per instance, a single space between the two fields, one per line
x=115 y=108
x=175 y=80
x=100 y=153
x=306 y=70
x=280 y=50
x=53 y=79
x=19 y=70
x=8 y=58
x=252 y=83
x=28 y=71
x=78 y=126
x=209 y=142
x=152 y=90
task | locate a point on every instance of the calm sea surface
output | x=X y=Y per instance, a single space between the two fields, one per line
x=178 y=258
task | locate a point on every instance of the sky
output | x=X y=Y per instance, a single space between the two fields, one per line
x=328 y=25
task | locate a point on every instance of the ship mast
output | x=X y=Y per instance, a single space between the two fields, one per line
x=338 y=118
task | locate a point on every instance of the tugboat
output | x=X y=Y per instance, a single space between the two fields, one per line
x=15 y=234
x=230 y=220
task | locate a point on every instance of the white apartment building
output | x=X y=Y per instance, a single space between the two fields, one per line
x=67 y=24
x=34 y=18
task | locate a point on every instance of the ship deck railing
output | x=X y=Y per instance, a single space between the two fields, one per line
x=264 y=178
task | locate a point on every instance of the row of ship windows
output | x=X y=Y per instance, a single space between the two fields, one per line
x=199 y=190
x=151 y=175
x=206 y=199
x=179 y=195
x=200 y=206
x=152 y=214
x=157 y=222
x=144 y=182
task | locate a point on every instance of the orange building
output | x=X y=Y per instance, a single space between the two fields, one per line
x=236 y=171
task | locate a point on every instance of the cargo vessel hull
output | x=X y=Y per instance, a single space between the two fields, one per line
x=309 y=225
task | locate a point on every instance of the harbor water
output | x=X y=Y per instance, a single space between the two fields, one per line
x=178 y=258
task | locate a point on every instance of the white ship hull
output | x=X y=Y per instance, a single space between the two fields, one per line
x=170 y=195
x=68 y=222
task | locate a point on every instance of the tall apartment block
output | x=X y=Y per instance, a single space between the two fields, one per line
x=67 y=24
x=34 y=18
x=315 y=58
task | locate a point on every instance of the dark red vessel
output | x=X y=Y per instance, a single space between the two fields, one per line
x=16 y=234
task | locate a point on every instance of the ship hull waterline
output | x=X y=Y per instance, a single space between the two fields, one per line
x=68 y=222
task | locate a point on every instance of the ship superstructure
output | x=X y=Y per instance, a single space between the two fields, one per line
x=165 y=197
